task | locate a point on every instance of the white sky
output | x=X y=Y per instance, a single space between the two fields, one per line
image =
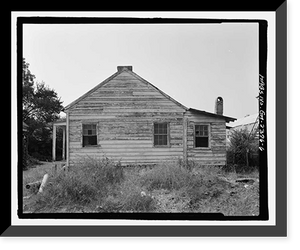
x=193 y=63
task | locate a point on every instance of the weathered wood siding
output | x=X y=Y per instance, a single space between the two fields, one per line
x=124 y=110
x=216 y=153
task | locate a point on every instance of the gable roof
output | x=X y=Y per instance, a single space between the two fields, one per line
x=129 y=70
x=120 y=70
x=227 y=118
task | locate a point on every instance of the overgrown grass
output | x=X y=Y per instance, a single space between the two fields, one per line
x=166 y=176
x=81 y=185
x=106 y=186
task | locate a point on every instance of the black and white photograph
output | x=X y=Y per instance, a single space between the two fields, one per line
x=151 y=118
x=140 y=120
x=148 y=123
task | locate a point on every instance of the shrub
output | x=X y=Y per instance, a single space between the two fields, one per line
x=243 y=148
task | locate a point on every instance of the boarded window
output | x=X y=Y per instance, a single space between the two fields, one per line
x=201 y=136
x=89 y=135
x=161 y=134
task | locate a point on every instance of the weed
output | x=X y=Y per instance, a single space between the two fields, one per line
x=105 y=186
x=83 y=184
x=165 y=176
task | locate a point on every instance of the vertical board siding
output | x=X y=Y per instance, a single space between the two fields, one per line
x=124 y=110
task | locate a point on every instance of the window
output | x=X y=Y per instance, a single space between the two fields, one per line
x=161 y=134
x=201 y=136
x=89 y=135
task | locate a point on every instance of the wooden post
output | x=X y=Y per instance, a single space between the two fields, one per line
x=184 y=143
x=54 y=143
x=247 y=159
x=44 y=182
x=64 y=142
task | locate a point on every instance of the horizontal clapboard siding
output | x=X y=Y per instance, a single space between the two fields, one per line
x=125 y=109
x=216 y=153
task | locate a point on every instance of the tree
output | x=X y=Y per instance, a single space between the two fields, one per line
x=41 y=106
x=39 y=101
x=243 y=145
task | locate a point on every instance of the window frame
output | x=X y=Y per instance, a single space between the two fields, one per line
x=82 y=134
x=168 y=134
x=209 y=135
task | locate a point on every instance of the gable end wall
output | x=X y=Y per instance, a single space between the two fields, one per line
x=124 y=109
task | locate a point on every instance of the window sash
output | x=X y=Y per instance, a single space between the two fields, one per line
x=201 y=130
x=161 y=134
x=89 y=129
x=160 y=128
x=89 y=135
x=202 y=136
x=160 y=140
x=201 y=142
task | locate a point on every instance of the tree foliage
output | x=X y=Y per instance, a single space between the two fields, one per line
x=40 y=102
x=243 y=148
x=41 y=106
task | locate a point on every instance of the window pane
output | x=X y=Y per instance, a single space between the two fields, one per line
x=85 y=140
x=164 y=128
x=89 y=129
x=160 y=128
x=155 y=128
x=87 y=126
x=164 y=140
x=156 y=139
x=206 y=128
x=201 y=142
x=201 y=130
x=160 y=140
x=89 y=140
x=92 y=140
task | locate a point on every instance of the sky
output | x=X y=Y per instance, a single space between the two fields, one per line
x=192 y=63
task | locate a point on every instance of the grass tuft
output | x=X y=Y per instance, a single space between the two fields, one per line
x=166 y=176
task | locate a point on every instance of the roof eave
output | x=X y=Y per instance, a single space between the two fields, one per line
x=65 y=109
x=227 y=118
x=160 y=91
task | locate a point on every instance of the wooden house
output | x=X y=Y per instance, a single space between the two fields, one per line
x=128 y=119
